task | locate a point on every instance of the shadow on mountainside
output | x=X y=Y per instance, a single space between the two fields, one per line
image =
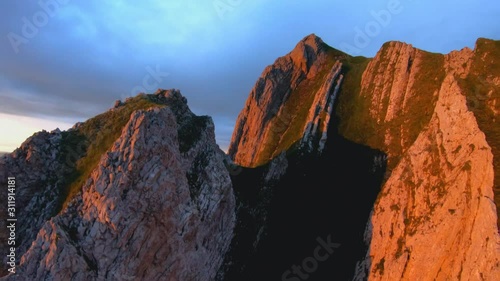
x=320 y=200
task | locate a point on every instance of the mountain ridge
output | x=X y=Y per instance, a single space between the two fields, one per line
x=390 y=102
x=407 y=143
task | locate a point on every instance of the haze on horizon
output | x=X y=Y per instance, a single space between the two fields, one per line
x=65 y=61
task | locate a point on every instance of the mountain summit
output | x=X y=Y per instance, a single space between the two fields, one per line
x=277 y=109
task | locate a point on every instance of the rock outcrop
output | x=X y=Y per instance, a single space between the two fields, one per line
x=39 y=170
x=157 y=206
x=288 y=97
x=322 y=108
x=436 y=210
x=435 y=118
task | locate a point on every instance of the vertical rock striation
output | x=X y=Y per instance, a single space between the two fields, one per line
x=285 y=100
x=321 y=110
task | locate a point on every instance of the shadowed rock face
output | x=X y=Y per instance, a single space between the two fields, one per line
x=315 y=198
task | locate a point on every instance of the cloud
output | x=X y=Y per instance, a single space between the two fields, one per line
x=91 y=53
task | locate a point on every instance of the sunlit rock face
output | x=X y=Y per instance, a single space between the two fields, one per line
x=435 y=218
x=435 y=119
x=39 y=170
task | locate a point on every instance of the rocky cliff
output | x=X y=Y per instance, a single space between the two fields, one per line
x=40 y=175
x=436 y=209
x=158 y=205
x=290 y=99
x=433 y=116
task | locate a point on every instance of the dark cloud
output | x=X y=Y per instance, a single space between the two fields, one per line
x=89 y=54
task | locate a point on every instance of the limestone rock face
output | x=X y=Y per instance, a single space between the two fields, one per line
x=433 y=116
x=147 y=212
x=265 y=118
x=435 y=218
x=437 y=210
x=318 y=118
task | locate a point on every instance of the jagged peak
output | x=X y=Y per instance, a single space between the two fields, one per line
x=307 y=52
x=313 y=41
x=173 y=94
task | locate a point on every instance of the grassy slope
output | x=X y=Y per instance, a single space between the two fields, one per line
x=352 y=108
x=477 y=86
x=357 y=125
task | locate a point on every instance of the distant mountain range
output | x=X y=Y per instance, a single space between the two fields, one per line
x=339 y=168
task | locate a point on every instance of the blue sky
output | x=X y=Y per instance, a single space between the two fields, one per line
x=63 y=61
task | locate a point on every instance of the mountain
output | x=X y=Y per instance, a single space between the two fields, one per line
x=339 y=168
x=435 y=119
x=282 y=103
x=154 y=201
x=435 y=116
